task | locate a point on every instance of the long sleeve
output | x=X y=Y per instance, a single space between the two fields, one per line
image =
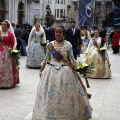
x=12 y=40
x=89 y=45
x=71 y=58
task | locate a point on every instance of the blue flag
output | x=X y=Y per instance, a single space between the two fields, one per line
x=84 y=13
x=117 y=16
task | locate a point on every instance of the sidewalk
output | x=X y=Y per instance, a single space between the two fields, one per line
x=17 y=103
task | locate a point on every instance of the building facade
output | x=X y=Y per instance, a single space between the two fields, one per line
x=102 y=13
x=17 y=11
x=64 y=11
x=67 y=10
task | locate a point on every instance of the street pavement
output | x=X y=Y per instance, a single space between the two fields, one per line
x=17 y=103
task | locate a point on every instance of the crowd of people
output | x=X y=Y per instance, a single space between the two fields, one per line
x=60 y=94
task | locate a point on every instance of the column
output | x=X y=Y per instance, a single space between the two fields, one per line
x=13 y=11
x=16 y=9
x=26 y=11
x=9 y=10
x=31 y=19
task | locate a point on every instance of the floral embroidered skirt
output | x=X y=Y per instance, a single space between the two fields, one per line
x=60 y=96
x=35 y=55
x=102 y=68
x=9 y=73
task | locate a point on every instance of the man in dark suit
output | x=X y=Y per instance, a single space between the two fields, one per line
x=73 y=36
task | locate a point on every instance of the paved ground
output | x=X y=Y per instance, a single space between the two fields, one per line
x=17 y=103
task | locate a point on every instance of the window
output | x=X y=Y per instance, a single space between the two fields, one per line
x=49 y=1
x=61 y=13
x=57 y=12
x=61 y=1
x=64 y=12
x=57 y=2
x=36 y=12
x=36 y=1
x=1 y=5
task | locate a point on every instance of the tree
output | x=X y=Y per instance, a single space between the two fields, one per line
x=49 y=18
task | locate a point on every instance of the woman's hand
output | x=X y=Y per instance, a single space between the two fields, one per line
x=40 y=73
x=74 y=64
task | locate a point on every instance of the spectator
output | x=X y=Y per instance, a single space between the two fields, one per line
x=18 y=33
x=73 y=36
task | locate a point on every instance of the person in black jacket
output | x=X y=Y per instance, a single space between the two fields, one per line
x=18 y=33
x=73 y=36
x=24 y=37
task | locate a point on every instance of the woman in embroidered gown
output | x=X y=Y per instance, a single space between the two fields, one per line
x=101 y=63
x=36 y=52
x=60 y=96
x=9 y=72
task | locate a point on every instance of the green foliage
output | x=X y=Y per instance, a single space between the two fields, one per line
x=102 y=52
x=49 y=20
x=20 y=11
x=84 y=69
x=16 y=56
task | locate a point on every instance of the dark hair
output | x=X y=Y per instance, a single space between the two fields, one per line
x=17 y=25
x=96 y=30
x=8 y=25
x=73 y=21
x=63 y=28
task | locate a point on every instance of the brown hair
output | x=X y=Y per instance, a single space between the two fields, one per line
x=64 y=31
x=8 y=25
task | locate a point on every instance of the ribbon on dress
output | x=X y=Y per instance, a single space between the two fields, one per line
x=52 y=50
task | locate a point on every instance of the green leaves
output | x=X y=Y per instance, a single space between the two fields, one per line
x=16 y=56
x=84 y=69
x=102 y=51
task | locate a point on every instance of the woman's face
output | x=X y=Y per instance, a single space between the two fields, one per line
x=37 y=27
x=96 y=34
x=59 y=33
x=4 y=26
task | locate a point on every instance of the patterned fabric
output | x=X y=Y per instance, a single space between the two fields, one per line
x=60 y=96
x=102 y=68
x=9 y=73
x=36 y=52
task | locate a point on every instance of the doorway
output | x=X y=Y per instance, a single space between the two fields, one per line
x=2 y=10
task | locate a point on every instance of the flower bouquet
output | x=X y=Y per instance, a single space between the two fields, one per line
x=16 y=56
x=84 y=69
x=44 y=43
x=102 y=51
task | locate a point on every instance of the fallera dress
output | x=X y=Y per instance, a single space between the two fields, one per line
x=102 y=68
x=9 y=72
x=36 y=52
x=60 y=96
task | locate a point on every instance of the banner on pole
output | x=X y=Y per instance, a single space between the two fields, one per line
x=117 y=16
x=84 y=12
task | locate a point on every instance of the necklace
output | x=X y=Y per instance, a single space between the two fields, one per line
x=59 y=40
x=4 y=33
x=59 y=43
